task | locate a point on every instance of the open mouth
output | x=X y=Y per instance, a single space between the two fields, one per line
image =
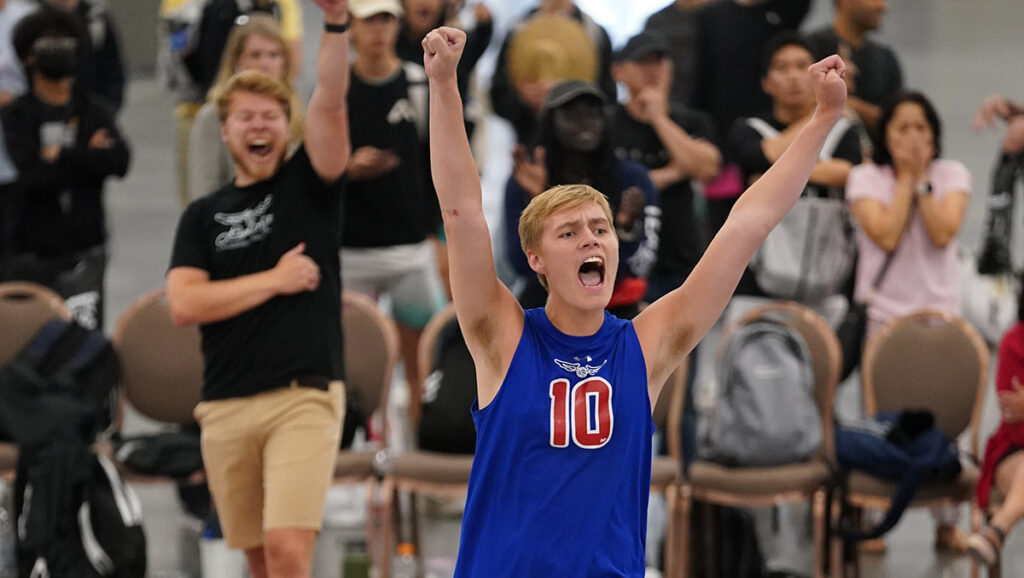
x=260 y=148
x=592 y=272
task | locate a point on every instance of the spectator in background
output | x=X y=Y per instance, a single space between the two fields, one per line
x=64 y=145
x=100 y=68
x=220 y=16
x=758 y=141
x=254 y=44
x=998 y=106
x=256 y=266
x=676 y=23
x=879 y=75
x=1003 y=465
x=520 y=105
x=422 y=16
x=574 y=145
x=909 y=206
x=391 y=219
x=996 y=254
x=12 y=85
x=673 y=143
x=731 y=36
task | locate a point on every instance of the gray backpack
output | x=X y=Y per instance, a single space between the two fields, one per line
x=809 y=255
x=766 y=414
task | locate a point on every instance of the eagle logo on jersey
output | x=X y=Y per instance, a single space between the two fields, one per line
x=580 y=369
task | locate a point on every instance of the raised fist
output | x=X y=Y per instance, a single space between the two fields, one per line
x=829 y=87
x=442 y=49
x=334 y=10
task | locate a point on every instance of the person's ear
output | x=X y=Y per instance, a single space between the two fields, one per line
x=536 y=262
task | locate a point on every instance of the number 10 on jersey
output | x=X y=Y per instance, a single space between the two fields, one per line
x=588 y=417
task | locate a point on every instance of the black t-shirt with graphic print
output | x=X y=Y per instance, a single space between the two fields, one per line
x=398 y=207
x=681 y=237
x=243 y=230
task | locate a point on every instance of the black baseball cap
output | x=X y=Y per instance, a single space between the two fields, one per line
x=569 y=90
x=640 y=46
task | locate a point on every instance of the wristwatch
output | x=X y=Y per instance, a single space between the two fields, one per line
x=923 y=188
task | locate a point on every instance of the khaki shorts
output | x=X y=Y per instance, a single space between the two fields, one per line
x=269 y=458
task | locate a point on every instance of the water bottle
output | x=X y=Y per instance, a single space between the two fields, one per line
x=355 y=562
x=405 y=564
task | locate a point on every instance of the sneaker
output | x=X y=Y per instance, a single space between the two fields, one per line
x=985 y=545
x=950 y=539
x=873 y=546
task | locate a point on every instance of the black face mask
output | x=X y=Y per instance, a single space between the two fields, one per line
x=55 y=62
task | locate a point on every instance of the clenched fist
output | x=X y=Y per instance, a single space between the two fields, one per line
x=829 y=87
x=334 y=10
x=442 y=49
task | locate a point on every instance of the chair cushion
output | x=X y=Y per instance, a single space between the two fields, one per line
x=961 y=489
x=664 y=471
x=354 y=464
x=804 y=477
x=433 y=467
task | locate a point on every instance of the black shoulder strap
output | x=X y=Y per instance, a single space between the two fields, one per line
x=94 y=344
x=43 y=344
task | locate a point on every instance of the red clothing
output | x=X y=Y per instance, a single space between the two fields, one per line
x=1009 y=436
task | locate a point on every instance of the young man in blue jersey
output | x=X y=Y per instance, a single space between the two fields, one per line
x=561 y=476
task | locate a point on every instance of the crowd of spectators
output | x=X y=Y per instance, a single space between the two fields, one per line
x=712 y=93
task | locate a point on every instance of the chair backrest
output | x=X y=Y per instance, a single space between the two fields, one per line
x=24 y=309
x=826 y=356
x=161 y=363
x=427 y=351
x=371 y=349
x=928 y=360
x=668 y=411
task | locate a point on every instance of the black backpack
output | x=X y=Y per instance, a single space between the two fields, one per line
x=75 y=517
x=62 y=381
x=446 y=424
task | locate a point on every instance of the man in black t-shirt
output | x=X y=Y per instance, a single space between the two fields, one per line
x=758 y=141
x=878 y=75
x=731 y=35
x=256 y=265
x=677 y=24
x=673 y=143
x=65 y=145
x=391 y=221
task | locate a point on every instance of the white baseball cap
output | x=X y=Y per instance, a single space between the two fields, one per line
x=364 y=9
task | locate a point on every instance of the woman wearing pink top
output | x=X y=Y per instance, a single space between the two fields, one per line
x=909 y=204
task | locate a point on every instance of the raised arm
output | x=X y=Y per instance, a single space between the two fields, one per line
x=327 y=141
x=671 y=326
x=489 y=315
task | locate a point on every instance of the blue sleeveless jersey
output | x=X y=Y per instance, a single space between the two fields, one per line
x=562 y=472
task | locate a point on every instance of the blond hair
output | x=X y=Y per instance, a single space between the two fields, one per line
x=551 y=201
x=264 y=26
x=255 y=82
